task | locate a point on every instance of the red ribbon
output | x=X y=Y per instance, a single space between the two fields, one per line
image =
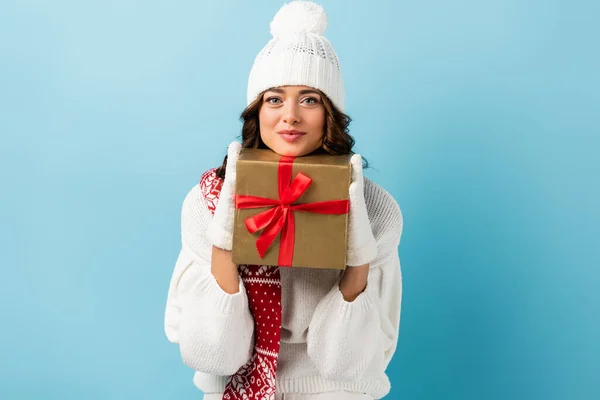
x=280 y=217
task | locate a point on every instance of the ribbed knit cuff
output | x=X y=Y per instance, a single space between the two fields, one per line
x=220 y=300
x=377 y=387
x=361 y=305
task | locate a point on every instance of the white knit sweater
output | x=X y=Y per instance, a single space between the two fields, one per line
x=326 y=343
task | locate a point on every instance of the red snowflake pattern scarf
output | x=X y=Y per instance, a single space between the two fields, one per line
x=256 y=379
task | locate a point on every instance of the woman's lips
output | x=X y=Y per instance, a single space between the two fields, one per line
x=291 y=136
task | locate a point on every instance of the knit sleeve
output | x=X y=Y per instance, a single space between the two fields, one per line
x=214 y=329
x=348 y=341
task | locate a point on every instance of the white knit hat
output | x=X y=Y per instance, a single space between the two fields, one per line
x=298 y=54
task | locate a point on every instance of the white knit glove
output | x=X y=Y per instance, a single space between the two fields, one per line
x=220 y=229
x=362 y=247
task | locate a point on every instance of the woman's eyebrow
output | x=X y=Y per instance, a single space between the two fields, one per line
x=304 y=91
x=309 y=91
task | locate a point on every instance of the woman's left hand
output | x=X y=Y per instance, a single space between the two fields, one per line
x=362 y=247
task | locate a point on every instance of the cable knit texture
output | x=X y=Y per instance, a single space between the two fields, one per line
x=327 y=344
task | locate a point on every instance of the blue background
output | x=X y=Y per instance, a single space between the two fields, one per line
x=480 y=117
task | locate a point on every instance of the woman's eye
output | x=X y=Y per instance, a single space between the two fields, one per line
x=272 y=98
x=311 y=100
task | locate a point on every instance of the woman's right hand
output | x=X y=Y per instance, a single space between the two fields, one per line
x=220 y=229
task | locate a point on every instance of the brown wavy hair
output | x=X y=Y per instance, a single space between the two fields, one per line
x=336 y=140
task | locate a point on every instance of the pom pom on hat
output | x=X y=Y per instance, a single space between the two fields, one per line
x=299 y=17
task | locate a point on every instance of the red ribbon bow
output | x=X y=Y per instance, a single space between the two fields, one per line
x=280 y=217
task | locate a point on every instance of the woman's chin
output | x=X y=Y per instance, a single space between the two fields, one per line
x=291 y=150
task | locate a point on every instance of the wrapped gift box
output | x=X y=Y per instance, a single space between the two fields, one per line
x=268 y=188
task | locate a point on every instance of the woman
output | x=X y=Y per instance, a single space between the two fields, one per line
x=315 y=334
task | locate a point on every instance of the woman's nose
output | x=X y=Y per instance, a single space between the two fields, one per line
x=290 y=114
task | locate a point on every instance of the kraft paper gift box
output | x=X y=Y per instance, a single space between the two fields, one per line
x=291 y=212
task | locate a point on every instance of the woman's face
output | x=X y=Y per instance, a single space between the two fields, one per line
x=292 y=120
